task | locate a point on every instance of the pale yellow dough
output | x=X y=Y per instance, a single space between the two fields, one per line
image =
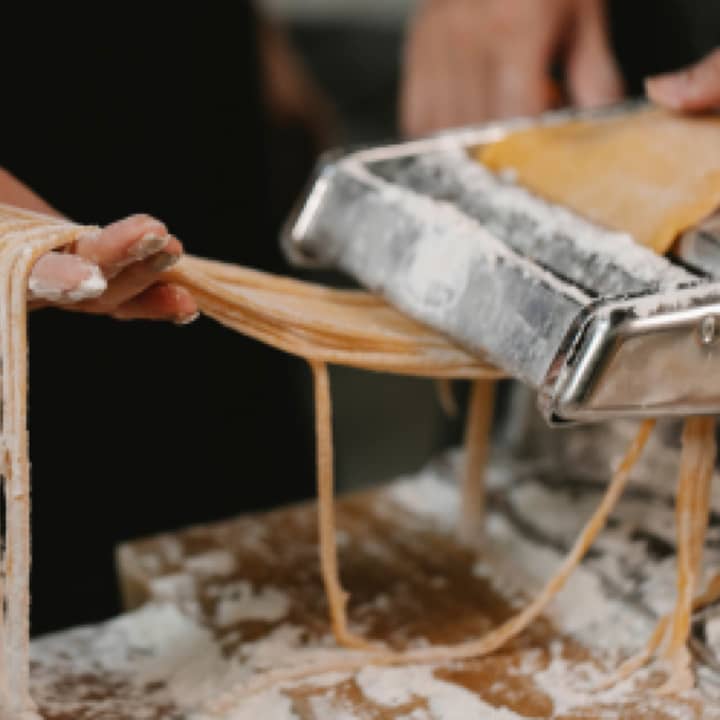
x=651 y=173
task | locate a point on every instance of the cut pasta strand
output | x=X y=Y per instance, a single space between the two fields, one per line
x=491 y=642
x=337 y=597
x=477 y=446
x=696 y=467
x=322 y=326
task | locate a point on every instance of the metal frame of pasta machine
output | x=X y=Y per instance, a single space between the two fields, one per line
x=599 y=325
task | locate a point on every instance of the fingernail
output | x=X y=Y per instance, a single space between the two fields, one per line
x=148 y=245
x=187 y=319
x=162 y=261
x=91 y=287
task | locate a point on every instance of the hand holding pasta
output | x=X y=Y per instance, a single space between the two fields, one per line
x=693 y=89
x=115 y=271
x=110 y=271
x=471 y=60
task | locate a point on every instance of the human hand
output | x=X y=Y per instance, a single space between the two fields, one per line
x=471 y=60
x=115 y=271
x=694 y=89
x=290 y=90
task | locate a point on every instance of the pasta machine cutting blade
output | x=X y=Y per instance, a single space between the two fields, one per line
x=600 y=326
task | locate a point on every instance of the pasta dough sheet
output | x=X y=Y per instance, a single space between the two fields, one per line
x=651 y=174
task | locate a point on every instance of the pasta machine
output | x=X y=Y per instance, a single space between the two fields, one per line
x=600 y=326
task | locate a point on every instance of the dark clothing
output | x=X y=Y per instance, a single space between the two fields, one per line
x=141 y=427
x=658 y=36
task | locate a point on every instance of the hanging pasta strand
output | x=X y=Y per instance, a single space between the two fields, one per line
x=337 y=596
x=322 y=326
x=491 y=642
x=24 y=237
x=446 y=396
x=692 y=510
x=477 y=446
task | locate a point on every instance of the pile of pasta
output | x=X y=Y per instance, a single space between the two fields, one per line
x=325 y=326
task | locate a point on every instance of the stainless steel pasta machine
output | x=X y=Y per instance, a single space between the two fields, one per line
x=600 y=326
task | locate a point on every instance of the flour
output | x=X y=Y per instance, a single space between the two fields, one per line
x=176 y=587
x=442 y=221
x=239 y=602
x=395 y=687
x=194 y=665
x=268 y=705
x=583 y=608
x=324 y=708
x=429 y=496
x=503 y=194
x=572 y=687
x=215 y=562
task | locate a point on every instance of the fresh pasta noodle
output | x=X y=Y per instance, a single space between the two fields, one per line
x=446 y=397
x=493 y=640
x=692 y=507
x=337 y=597
x=652 y=174
x=24 y=237
x=318 y=324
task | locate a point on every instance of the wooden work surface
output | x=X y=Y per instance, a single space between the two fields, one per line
x=221 y=605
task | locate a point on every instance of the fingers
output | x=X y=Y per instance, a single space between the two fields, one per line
x=124 y=242
x=594 y=78
x=139 y=276
x=116 y=271
x=160 y=302
x=61 y=278
x=691 y=90
x=472 y=60
x=521 y=89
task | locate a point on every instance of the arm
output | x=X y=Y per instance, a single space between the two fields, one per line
x=115 y=271
x=471 y=60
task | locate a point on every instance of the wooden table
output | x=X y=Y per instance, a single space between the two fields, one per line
x=219 y=605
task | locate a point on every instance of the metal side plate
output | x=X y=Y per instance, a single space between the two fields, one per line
x=564 y=305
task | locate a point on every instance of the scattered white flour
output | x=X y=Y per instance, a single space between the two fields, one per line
x=395 y=687
x=154 y=644
x=570 y=686
x=429 y=496
x=220 y=563
x=553 y=219
x=159 y=643
x=268 y=705
x=239 y=602
x=544 y=502
x=171 y=549
x=176 y=587
x=327 y=708
x=417 y=714
x=518 y=567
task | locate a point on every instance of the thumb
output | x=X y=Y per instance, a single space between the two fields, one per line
x=593 y=75
x=696 y=88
